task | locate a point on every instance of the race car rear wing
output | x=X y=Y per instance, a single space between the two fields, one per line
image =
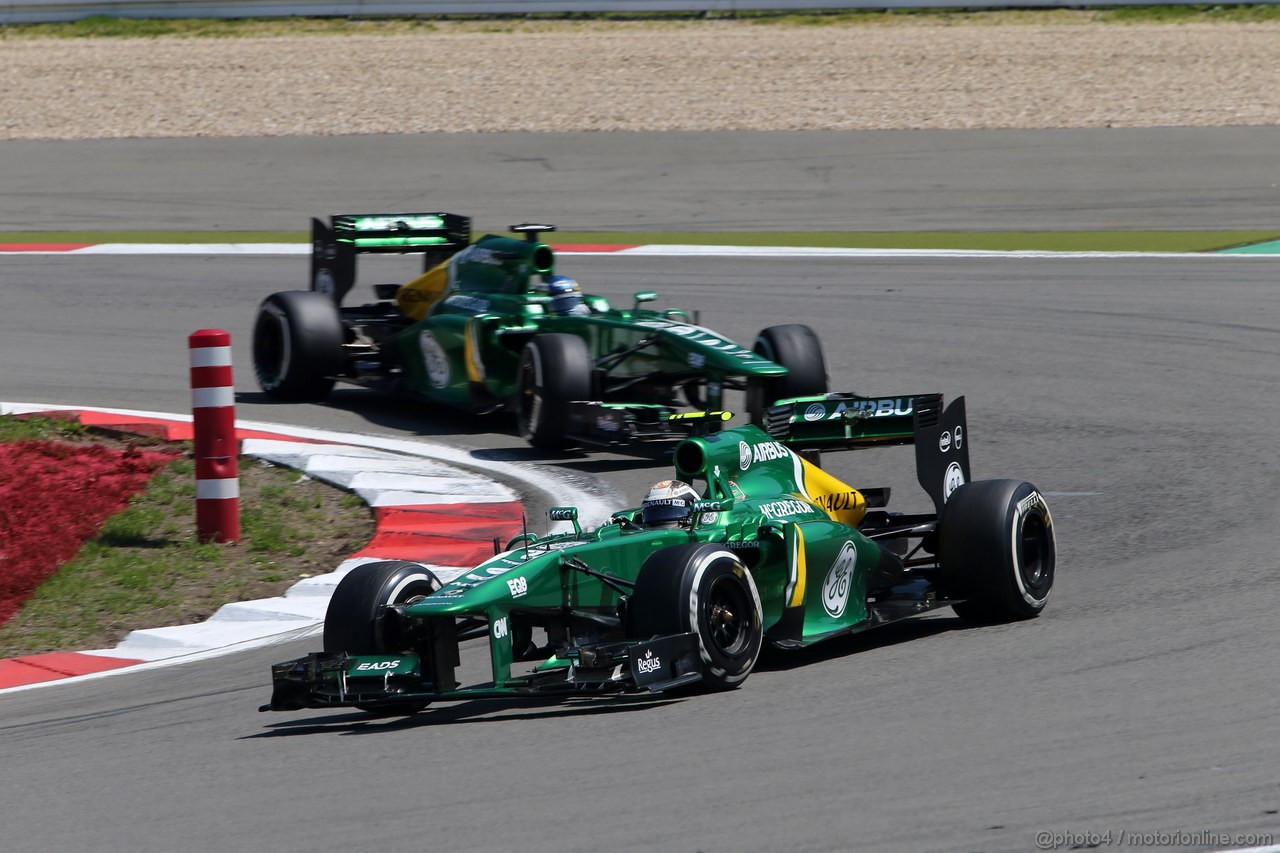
x=435 y=236
x=843 y=421
x=849 y=421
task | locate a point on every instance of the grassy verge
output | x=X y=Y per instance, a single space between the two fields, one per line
x=106 y=27
x=145 y=568
x=1048 y=241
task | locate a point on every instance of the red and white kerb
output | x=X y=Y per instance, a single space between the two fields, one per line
x=214 y=421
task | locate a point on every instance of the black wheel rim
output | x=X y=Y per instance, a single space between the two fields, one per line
x=393 y=637
x=730 y=616
x=268 y=348
x=1035 y=554
x=528 y=395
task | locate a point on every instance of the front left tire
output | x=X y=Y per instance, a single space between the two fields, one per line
x=555 y=369
x=797 y=348
x=705 y=590
x=356 y=620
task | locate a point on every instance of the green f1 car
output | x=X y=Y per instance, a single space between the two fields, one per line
x=483 y=329
x=773 y=550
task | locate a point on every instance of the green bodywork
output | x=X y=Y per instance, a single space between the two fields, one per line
x=465 y=352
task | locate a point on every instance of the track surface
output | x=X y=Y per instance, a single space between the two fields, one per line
x=1010 y=180
x=1141 y=392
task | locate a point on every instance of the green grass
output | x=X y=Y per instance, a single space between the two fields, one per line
x=108 y=27
x=1051 y=241
x=146 y=567
x=43 y=429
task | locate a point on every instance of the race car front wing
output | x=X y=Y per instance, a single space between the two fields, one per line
x=621 y=425
x=337 y=679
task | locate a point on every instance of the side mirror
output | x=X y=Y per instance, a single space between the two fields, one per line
x=644 y=296
x=565 y=513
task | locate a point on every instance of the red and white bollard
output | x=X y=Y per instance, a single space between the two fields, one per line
x=214 y=414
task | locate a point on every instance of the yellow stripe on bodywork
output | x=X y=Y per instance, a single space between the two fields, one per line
x=798 y=568
x=471 y=349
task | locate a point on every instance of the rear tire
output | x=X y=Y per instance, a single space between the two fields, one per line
x=706 y=590
x=996 y=542
x=797 y=348
x=555 y=369
x=297 y=346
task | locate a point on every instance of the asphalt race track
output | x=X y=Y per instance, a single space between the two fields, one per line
x=1089 y=179
x=1138 y=393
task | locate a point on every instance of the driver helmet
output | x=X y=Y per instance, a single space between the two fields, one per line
x=566 y=296
x=668 y=504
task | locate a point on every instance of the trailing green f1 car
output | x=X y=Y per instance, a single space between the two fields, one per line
x=686 y=590
x=490 y=326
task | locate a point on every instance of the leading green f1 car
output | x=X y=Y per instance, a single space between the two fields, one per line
x=773 y=550
x=490 y=326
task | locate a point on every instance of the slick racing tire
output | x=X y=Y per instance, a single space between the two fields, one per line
x=354 y=622
x=555 y=369
x=797 y=348
x=705 y=590
x=297 y=346
x=997 y=548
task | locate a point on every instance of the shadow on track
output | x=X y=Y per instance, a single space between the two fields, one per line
x=418 y=420
x=515 y=710
x=401 y=414
x=478 y=711
x=908 y=630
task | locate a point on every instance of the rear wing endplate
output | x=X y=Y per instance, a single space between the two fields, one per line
x=942 y=448
x=334 y=246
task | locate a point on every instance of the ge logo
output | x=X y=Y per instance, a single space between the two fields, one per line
x=953 y=480
x=325 y=283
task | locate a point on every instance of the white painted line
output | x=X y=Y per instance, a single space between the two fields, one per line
x=187 y=249
x=802 y=252
x=652 y=250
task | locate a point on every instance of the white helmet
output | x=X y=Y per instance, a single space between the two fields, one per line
x=668 y=504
